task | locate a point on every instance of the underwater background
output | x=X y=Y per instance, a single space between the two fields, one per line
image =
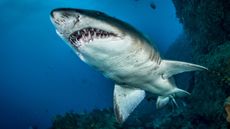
x=44 y=85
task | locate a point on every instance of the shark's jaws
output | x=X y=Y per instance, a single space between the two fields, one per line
x=122 y=54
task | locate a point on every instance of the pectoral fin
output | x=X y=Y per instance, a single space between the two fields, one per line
x=125 y=101
x=169 y=68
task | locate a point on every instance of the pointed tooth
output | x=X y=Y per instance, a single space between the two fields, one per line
x=79 y=37
x=87 y=38
x=86 y=34
x=81 y=32
x=97 y=34
x=91 y=32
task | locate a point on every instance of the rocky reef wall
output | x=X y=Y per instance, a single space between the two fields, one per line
x=207 y=22
x=207 y=25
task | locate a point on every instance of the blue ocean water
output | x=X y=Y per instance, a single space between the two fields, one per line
x=41 y=76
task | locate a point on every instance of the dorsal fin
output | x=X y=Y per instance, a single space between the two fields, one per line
x=125 y=100
x=169 y=68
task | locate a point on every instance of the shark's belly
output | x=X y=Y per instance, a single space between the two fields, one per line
x=138 y=68
x=133 y=69
x=143 y=75
x=129 y=73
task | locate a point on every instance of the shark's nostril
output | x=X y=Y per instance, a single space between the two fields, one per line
x=77 y=18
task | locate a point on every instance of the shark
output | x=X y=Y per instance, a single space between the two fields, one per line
x=123 y=54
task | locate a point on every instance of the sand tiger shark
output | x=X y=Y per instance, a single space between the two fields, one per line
x=122 y=53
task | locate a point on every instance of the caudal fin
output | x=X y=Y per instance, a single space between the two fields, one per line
x=169 y=68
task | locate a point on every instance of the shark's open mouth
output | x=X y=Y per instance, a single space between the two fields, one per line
x=87 y=35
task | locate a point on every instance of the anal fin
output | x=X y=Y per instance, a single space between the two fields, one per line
x=125 y=100
x=164 y=100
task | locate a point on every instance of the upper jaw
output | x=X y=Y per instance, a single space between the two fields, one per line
x=86 y=35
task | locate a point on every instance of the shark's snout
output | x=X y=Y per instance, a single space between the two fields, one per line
x=62 y=16
x=59 y=11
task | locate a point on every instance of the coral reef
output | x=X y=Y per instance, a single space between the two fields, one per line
x=206 y=21
x=206 y=24
x=227 y=108
x=205 y=105
x=97 y=119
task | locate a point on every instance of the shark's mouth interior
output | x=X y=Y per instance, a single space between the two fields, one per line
x=87 y=35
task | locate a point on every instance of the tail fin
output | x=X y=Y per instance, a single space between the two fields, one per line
x=169 y=68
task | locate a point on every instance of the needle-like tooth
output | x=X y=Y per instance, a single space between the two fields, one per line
x=97 y=35
x=81 y=32
x=79 y=37
x=90 y=36
x=86 y=39
x=94 y=35
x=91 y=32
x=86 y=34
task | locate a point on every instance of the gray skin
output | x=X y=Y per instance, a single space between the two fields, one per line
x=122 y=54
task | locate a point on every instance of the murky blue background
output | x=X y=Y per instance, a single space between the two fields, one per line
x=40 y=76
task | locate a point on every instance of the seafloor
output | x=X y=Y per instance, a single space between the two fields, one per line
x=207 y=38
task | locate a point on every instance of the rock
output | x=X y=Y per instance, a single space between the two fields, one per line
x=227 y=108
